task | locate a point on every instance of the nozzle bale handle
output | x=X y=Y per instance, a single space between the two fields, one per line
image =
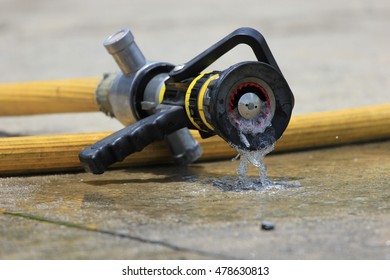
x=114 y=148
x=244 y=35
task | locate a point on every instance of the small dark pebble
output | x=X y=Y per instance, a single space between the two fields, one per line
x=267 y=225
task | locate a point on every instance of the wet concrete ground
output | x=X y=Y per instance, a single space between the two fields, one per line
x=325 y=204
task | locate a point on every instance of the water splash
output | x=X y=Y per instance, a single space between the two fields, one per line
x=256 y=158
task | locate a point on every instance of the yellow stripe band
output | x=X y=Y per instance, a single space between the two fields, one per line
x=187 y=99
x=200 y=101
x=161 y=94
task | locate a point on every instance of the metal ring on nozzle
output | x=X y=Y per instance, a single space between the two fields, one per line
x=250 y=83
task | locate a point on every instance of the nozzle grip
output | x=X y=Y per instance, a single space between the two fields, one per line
x=114 y=148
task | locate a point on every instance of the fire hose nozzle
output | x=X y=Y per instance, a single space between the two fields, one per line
x=248 y=104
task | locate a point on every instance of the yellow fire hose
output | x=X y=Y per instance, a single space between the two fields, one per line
x=59 y=153
x=56 y=96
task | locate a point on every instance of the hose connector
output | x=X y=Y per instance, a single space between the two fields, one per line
x=122 y=47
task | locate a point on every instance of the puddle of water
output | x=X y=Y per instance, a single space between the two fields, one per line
x=239 y=184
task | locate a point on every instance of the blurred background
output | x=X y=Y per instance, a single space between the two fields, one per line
x=334 y=54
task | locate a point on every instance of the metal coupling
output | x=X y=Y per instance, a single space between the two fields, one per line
x=122 y=47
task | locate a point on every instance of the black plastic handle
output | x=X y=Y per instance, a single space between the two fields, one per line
x=245 y=35
x=97 y=157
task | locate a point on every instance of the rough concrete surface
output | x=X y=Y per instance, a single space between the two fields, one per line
x=325 y=204
x=334 y=203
